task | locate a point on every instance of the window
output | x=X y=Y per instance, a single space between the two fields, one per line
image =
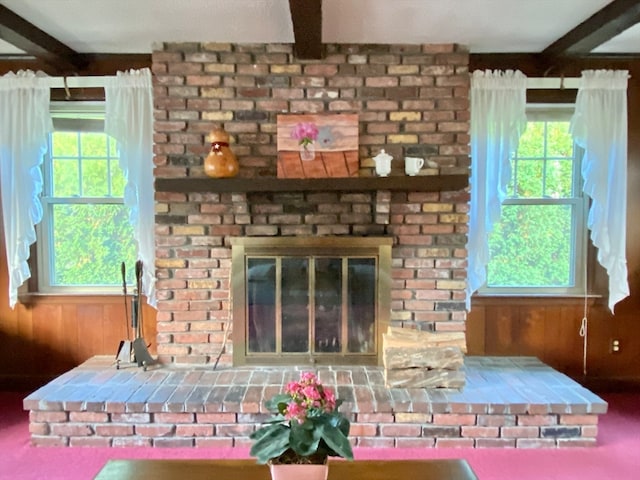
x=538 y=247
x=85 y=233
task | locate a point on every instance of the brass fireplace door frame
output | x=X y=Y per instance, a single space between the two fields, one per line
x=336 y=247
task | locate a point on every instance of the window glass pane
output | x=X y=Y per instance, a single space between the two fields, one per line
x=117 y=179
x=94 y=178
x=295 y=304
x=94 y=144
x=65 y=144
x=531 y=143
x=559 y=179
x=66 y=178
x=362 y=298
x=532 y=246
x=529 y=178
x=90 y=242
x=261 y=303
x=328 y=304
x=559 y=140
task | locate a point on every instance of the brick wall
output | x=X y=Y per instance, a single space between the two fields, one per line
x=412 y=100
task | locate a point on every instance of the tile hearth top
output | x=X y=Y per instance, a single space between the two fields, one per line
x=494 y=385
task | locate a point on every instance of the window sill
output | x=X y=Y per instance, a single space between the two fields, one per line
x=533 y=299
x=32 y=298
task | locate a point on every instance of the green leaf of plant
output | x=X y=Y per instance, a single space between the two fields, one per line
x=305 y=438
x=270 y=442
x=337 y=441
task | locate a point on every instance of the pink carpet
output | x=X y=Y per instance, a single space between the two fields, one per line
x=617 y=455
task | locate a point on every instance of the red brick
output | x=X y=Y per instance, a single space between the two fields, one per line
x=89 y=442
x=363 y=417
x=173 y=442
x=495 y=443
x=46 y=416
x=537 y=420
x=400 y=430
x=535 y=443
x=233 y=430
x=89 y=417
x=377 y=442
x=194 y=430
x=480 y=432
x=578 y=419
x=216 y=442
x=454 y=442
x=131 y=442
x=70 y=429
x=39 y=428
x=49 y=441
x=520 y=432
x=415 y=442
x=114 y=430
x=454 y=419
x=363 y=430
x=154 y=430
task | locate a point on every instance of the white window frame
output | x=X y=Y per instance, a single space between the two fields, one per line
x=580 y=203
x=75 y=117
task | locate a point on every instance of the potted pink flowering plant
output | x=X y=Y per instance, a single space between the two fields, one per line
x=306 y=427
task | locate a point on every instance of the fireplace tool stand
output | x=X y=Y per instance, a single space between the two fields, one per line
x=136 y=351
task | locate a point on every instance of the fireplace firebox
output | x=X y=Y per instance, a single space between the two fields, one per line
x=310 y=300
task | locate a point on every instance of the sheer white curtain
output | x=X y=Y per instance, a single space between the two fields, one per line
x=129 y=119
x=498 y=118
x=25 y=123
x=599 y=125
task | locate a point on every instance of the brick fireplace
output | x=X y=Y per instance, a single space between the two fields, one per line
x=411 y=100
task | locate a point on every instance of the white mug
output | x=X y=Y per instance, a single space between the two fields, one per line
x=412 y=165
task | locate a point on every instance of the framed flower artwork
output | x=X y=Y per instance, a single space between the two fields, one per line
x=317 y=145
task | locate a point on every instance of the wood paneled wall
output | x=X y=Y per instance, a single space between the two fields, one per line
x=46 y=335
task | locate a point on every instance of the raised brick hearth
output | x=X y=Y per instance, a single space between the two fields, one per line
x=507 y=402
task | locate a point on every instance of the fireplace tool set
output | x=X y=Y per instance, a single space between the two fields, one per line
x=136 y=351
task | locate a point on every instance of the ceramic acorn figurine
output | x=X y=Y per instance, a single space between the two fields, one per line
x=383 y=163
x=221 y=162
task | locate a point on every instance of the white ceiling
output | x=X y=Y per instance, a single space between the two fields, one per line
x=484 y=26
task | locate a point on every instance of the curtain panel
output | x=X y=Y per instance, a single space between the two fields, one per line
x=498 y=119
x=129 y=119
x=599 y=126
x=25 y=123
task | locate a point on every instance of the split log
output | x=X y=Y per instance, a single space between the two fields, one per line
x=398 y=355
x=424 y=378
x=432 y=339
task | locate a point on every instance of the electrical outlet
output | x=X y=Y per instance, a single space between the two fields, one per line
x=615 y=345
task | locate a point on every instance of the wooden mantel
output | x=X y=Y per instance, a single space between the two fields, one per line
x=419 y=183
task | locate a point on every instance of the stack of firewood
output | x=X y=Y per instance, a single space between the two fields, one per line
x=416 y=359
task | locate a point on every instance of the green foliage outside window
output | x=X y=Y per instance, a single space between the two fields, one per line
x=89 y=231
x=533 y=245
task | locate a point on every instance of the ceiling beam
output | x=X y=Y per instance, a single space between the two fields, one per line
x=602 y=26
x=27 y=37
x=306 y=16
